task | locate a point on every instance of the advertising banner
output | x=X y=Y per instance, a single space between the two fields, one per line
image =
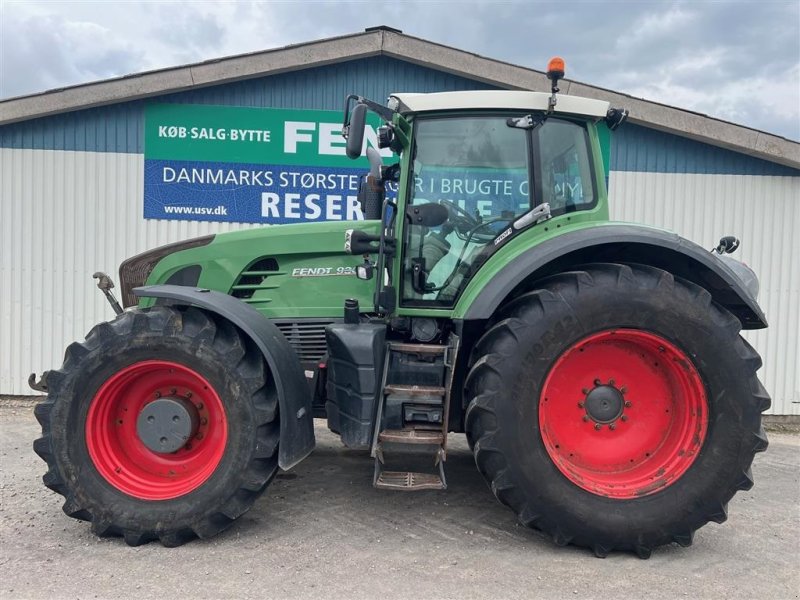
x=479 y=191
x=249 y=165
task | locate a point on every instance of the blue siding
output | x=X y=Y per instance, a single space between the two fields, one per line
x=120 y=127
x=641 y=149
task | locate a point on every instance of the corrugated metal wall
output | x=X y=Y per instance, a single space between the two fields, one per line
x=71 y=203
x=66 y=215
x=764 y=212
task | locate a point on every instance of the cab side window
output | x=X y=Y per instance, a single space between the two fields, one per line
x=565 y=178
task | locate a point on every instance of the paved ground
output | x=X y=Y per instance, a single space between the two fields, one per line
x=322 y=531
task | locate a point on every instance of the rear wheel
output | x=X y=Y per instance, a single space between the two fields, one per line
x=616 y=408
x=161 y=425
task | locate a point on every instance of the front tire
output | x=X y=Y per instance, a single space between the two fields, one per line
x=615 y=408
x=119 y=382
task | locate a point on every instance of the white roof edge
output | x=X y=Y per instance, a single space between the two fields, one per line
x=388 y=42
x=501 y=99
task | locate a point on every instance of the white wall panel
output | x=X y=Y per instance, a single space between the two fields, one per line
x=65 y=215
x=764 y=212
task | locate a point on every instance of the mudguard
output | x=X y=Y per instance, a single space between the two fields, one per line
x=294 y=399
x=627 y=244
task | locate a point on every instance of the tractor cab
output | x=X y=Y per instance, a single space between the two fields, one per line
x=475 y=171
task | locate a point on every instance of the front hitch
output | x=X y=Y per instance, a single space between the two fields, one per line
x=104 y=284
x=41 y=385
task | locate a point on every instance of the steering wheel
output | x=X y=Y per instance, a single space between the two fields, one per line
x=460 y=219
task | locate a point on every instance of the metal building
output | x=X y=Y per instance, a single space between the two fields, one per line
x=72 y=172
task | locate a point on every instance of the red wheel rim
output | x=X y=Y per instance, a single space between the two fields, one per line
x=623 y=413
x=123 y=459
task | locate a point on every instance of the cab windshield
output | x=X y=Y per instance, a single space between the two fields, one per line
x=478 y=167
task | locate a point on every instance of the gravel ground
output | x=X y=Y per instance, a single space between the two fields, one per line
x=323 y=531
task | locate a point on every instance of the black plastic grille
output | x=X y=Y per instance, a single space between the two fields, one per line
x=255 y=278
x=307 y=337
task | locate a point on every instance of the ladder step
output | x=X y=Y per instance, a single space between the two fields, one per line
x=414 y=390
x=412 y=436
x=408 y=481
x=417 y=348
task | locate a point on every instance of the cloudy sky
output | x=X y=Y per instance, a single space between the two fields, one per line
x=736 y=60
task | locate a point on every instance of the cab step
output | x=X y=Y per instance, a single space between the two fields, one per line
x=429 y=349
x=407 y=481
x=423 y=432
x=411 y=436
x=414 y=390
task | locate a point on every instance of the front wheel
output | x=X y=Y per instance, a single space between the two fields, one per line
x=162 y=425
x=616 y=408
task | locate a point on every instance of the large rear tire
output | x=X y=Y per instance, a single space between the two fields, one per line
x=221 y=438
x=615 y=407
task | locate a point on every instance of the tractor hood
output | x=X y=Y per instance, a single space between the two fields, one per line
x=297 y=270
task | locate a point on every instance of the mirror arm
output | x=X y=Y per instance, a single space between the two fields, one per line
x=401 y=137
x=385 y=113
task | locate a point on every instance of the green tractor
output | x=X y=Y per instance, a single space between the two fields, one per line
x=595 y=367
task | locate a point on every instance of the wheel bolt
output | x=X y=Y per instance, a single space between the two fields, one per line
x=597 y=381
x=173 y=391
x=200 y=406
x=580 y=404
x=203 y=421
x=597 y=426
x=624 y=417
x=610 y=382
x=585 y=417
x=628 y=404
x=623 y=389
x=585 y=391
x=158 y=394
x=188 y=394
x=611 y=426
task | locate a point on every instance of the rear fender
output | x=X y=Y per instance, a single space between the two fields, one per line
x=626 y=244
x=294 y=399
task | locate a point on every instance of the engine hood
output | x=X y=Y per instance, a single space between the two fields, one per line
x=298 y=270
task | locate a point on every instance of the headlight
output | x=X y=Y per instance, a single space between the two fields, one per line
x=134 y=271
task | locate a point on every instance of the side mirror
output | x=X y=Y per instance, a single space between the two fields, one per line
x=355 y=131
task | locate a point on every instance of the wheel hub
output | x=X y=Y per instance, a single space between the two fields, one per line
x=604 y=404
x=638 y=428
x=165 y=425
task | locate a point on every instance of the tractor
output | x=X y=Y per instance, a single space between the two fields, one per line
x=596 y=367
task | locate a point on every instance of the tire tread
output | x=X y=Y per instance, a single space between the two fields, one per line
x=484 y=386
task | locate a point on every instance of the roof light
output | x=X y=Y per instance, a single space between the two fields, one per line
x=555 y=71
x=555 y=68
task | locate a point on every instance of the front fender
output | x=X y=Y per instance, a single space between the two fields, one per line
x=615 y=243
x=294 y=400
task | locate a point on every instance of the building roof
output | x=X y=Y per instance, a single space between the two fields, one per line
x=393 y=43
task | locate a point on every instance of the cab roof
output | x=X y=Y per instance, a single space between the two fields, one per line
x=499 y=100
